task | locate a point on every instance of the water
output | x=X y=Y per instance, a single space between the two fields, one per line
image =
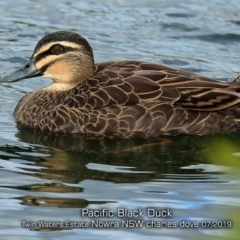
x=52 y=178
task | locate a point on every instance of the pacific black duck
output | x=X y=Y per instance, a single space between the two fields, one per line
x=122 y=99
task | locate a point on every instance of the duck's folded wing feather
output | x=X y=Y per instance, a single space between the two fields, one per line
x=204 y=99
x=151 y=82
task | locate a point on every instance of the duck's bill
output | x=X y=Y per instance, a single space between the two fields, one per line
x=27 y=71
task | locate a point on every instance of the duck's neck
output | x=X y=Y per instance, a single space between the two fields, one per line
x=61 y=86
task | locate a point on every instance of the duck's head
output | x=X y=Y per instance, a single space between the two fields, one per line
x=65 y=57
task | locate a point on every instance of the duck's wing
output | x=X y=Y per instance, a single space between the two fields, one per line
x=131 y=82
x=201 y=93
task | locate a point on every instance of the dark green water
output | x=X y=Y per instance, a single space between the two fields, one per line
x=51 y=179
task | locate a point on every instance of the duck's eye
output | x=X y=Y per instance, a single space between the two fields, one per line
x=56 y=49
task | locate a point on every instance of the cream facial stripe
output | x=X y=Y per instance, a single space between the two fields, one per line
x=45 y=61
x=49 y=45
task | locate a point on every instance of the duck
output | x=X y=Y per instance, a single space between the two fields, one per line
x=120 y=99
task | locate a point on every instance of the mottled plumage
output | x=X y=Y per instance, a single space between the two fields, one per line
x=125 y=99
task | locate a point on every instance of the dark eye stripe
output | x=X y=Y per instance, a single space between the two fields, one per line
x=49 y=52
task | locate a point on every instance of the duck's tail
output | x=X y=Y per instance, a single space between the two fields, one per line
x=235 y=78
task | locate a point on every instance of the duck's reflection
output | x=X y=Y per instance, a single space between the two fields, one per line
x=68 y=161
